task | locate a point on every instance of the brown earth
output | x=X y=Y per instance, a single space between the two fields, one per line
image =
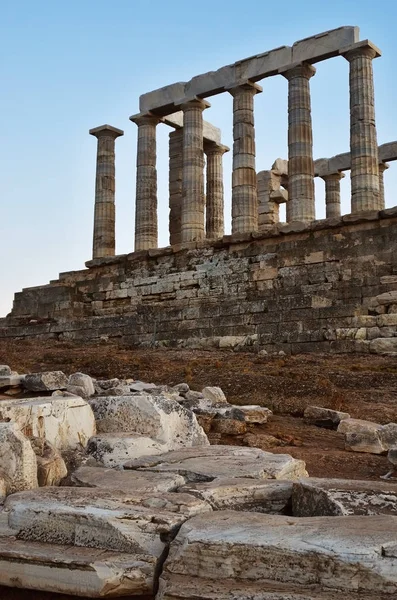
x=364 y=386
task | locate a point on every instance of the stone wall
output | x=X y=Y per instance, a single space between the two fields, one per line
x=329 y=285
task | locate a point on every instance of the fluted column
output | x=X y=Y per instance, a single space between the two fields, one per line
x=363 y=140
x=214 y=191
x=244 y=186
x=146 y=227
x=175 y=185
x=193 y=201
x=382 y=168
x=300 y=144
x=332 y=194
x=104 y=238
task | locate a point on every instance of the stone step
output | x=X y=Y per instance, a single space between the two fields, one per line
x=63 y=569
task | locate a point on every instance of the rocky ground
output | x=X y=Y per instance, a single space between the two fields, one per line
x=363 y=386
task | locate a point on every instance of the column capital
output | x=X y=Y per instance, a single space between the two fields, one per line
x=145 y=119
x=337 y=176
x=214 y=148
x=304 y=70
x=245 y=86
x=106 y=130
x=191 y=103
x=364 y=48
x=383 y=166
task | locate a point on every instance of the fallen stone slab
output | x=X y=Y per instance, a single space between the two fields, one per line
x=114 y=449
x=156 y=417
x=81 y=385
x=324 y=417
x=209 y=462
x=86 y=572
x=255 y=414
x=129 y=482
x=314 y=497
x=364 y=441
x=17 y=460
x=67 y=423
x=141 y=386
x=238 y=555
x=45 y=382
x=263 y=495
x=92 y=518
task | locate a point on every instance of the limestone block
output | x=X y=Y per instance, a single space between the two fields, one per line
x=207 y=462
x=67 y=423
x=261 y=440
x=273 y=557
x=324 y=417
x=51 y=467
x=114 y=449
x=154 y=416
x=17 y=459
x=86 y=572
x=129 y=482
x=45 y=382
x=255 y=414
x=81 y=385
x=388 y=435
x=214 y=395
x=387 y=298
x=5 y=371
x=354 y=425
x=11 y=380
x=266 y=496
x=141 y=386
x=364 y=441
x=384 y=346
x=228 y=426
x=324 y=45
x=230 y=341
x=314 y=497
x=388 y=320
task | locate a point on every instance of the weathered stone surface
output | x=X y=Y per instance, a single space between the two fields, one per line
x=67 y=423
x=324 y=417
x=45 y=382
x=265 y=496
x=255 y=414
x=207 y=463
x=81 y=385
x=51 y=467
x=17 y=459
x=5 y=371
x=228 y=426
x=314 y=497
x=237 y=555
x=154 y=416
x=114 y=449
x=3 y=487
x=129 y=482
x=355 y=425
x=141 y=386
x=10 y=380
x=364 y=441
x=383 y=345
x=261 y=440
x=214 y=395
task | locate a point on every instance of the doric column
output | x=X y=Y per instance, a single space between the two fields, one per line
x=363 y=140
x=244 y=187
x=300 y=144
x=104 y=238
x=175 y=185
x=146 y=183
x=332 y=194
x=214 y=192
x=382 y=168
x=193 y=201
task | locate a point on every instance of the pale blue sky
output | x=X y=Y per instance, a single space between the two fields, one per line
x=69 y=66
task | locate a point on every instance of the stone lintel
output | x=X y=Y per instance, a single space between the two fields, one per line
x=106 y=130
x=342 y=162
x=210 y=132
x=313 y=49
x=364 y=44
x=388 y=152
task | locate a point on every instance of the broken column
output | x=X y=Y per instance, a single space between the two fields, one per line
x=301 y=205
x=146 y=183
x=270 y=196
x=332 y=194
x=214 y=190
x=104 y=238
x=193 y=201
x=175 y=185
x=382 y=168
x=244 y=186
x=363 y=140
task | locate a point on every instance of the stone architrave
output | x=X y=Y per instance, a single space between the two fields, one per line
x=175 y=185
x=382 y=168
x=104 y=238
x=193 y=200
x=332 y=194
x=244 y=186
x=215 y=227
x=146 y=227
x=363 y=139
x=301 y=205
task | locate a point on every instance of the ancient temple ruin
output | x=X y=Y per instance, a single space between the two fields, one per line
x=302 y=285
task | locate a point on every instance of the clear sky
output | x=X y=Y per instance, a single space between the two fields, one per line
x=66 y=67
